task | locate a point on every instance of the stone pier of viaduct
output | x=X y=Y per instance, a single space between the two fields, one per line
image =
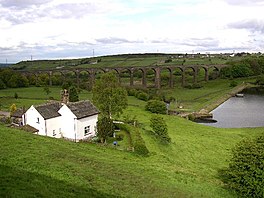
x=131 y=70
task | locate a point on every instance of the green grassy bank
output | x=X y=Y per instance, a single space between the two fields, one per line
x=36 y=166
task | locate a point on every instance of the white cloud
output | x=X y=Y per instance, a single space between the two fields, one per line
x=74 y=28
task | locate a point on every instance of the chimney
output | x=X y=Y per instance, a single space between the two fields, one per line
x=64 y=96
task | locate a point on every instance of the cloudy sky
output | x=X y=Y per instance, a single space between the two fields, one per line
x=50 y=29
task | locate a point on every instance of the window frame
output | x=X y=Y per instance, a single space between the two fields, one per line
x=87 y=130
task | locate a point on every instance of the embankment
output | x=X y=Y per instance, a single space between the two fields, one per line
x=225 y=97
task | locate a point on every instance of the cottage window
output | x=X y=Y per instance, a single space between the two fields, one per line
x=38 y=120
x=87 y=130
x=54 y=133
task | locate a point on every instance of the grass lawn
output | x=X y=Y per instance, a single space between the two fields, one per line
x=32 y=165
x=32 y=96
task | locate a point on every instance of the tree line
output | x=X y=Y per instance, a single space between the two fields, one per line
x=248 y=66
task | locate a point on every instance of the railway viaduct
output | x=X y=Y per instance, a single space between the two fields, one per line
x=131 y=70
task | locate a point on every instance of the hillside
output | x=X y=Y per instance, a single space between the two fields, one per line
x=32 y=165
x=123 y=61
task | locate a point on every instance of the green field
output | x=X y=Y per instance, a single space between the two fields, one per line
x=35 y=166
x=123 y=61
x=32 y=165
x=190 y=99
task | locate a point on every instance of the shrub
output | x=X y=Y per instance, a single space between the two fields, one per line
x=246 y=169
x=233 y=83
x=105 y=128
x=260 y=80
x=191 y=117
x=131 y=92
x=142 y=96
x=16 y=95
x=160 y=128
x=156 y=106
x=168 y=60
x=193 y=86
x=140 y=148
x=137 y=141
x=2 y=84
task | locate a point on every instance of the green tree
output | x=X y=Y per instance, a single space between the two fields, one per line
x=73 y=94
x=13 y=109
x=105 y=128
x=109 y=96
x=160 y=128
x=245 y=173
x=156 y=106
x=2 y=84
x=13 y=81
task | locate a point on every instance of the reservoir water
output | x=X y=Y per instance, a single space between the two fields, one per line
x=241 y=112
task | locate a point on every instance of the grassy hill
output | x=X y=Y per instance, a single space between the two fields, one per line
x=36 y=166
x=123 y=61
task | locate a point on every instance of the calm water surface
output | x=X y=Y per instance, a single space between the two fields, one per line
x=240 y=112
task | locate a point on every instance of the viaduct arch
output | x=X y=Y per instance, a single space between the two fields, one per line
x=131 y=70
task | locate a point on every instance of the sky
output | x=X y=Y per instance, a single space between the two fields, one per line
x=58 y=29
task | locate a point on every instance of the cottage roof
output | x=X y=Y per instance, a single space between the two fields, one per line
x=82 y=109
x=18 y=113
x=49 y=110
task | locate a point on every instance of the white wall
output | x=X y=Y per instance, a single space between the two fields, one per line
x=68 y=123
x=54 y=124
x=30 y=118
x=82 y=123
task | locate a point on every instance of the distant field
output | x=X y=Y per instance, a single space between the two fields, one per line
x=121 y=61
x=32 y=96
x=189 y=99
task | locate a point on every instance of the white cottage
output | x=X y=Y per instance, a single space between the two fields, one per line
x=74 y=121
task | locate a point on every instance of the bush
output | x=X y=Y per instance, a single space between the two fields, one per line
x=260 y=80
x=140 y=148
x=142 y=96
x=191 y=117
x=193 y=86
x=131 y=92
x=160 y=128
x=168 y=60
x=137 y=141
x=237 y=70
x=233 y=83
x=2 y=84
x=245 y=173
x=156 y=106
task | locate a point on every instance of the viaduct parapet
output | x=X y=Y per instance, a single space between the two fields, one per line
x=132 y=69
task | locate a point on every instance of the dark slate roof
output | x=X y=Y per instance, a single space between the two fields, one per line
x=29 y=128
x=49 y=110
x=82 y=109
x=18 y=113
